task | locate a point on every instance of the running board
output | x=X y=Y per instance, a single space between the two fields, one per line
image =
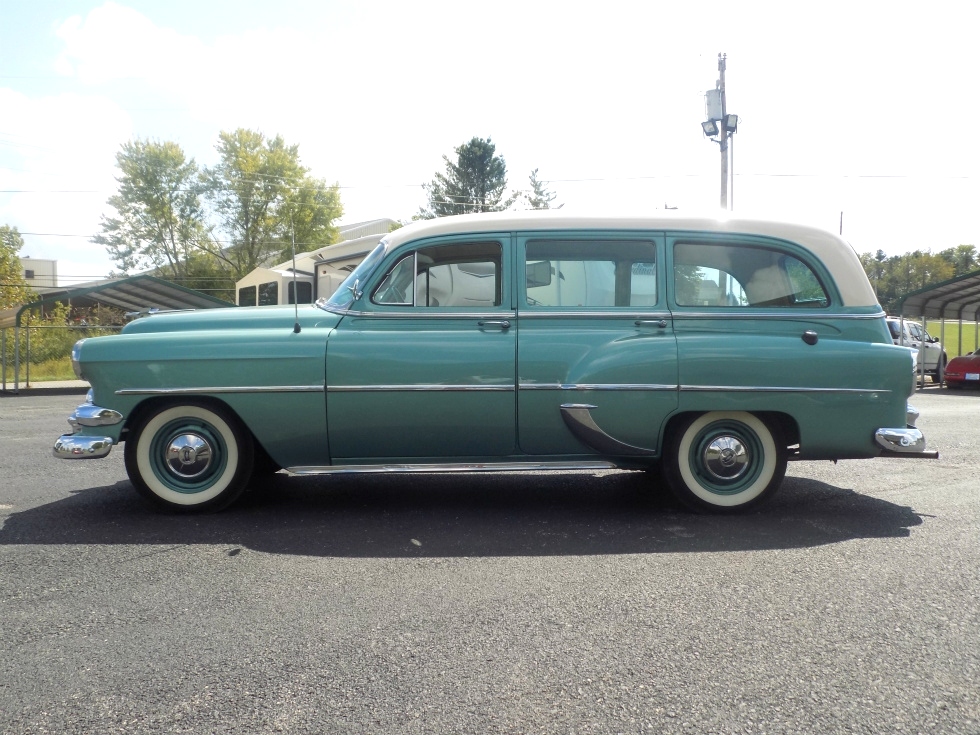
x=357 y=469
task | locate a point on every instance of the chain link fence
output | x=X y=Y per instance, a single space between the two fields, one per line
x=42 y=353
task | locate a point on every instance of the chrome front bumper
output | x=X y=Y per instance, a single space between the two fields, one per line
x=75 y=446
x=82 y=447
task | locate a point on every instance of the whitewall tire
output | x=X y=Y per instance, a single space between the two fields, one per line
x=723 y=461
x=189 y=457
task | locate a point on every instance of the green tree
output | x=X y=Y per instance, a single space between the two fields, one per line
x=209 y=275
x=159 y=220
x=539 y=196
x=963 y=258
x=262 y=197
x=14 y=290
x=874 y=266
x=474 y=182
x=899 y=275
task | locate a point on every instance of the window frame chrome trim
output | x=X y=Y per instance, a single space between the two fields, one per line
x=551 y=314
x=431 y=312
x=745 y=312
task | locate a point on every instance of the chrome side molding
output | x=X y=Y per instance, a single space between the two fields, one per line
x=356 y=469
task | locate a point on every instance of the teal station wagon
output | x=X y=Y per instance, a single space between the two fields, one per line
x=714 y=350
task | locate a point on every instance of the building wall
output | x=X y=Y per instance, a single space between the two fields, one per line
x=40 y=273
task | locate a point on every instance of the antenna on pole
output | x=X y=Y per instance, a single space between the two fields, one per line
x=292 y=228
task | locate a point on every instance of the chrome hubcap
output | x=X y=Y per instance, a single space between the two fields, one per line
x=726 y=457
x=189 y=455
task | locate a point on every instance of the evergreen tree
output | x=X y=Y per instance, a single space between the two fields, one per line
x=539 y=197
x=474 y=182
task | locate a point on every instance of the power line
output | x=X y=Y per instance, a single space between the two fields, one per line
x=594 y=179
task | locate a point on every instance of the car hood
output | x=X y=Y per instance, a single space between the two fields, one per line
x=248 y=317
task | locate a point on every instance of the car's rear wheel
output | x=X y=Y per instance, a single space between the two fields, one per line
x=189 y=457
x=723 y=461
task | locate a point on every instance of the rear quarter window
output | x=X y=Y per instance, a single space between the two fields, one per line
x=716 y=274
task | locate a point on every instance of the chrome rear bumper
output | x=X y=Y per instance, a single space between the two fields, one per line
x=908 y=442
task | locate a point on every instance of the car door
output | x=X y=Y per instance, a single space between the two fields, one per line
x=596 y=357
x=929 y=349
x=421 y=369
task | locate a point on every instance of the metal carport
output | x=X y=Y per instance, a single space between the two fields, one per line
x=956 y=299
x=133 y=294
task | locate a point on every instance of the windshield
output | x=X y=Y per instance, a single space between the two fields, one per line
x=343 y=296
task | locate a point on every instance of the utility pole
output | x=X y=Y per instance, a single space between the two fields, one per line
x=723 y=125
x=723 y=141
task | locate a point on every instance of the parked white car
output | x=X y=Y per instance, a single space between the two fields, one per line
x=931 y=352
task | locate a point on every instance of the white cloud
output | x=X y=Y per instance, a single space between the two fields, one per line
x=58 y=162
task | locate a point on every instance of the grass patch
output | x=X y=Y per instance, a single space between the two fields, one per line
x=56 y=369
x=957 y=338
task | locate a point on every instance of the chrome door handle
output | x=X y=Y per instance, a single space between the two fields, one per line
x=662 y=323
x=502 y=323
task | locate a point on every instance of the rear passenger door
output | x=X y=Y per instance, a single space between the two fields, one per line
x=596 y=355
x=741 y=308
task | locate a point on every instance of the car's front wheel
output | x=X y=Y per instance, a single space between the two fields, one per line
x=189 y=457
x=723 y=461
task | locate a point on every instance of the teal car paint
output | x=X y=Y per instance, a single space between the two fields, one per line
x=714 y=349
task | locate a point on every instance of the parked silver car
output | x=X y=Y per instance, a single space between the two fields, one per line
x=911 y=334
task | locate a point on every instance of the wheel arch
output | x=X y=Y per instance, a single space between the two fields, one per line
x=781 y=424
x=153 y=404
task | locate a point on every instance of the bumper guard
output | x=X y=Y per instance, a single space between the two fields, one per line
x=909 y=443
x=88 y=415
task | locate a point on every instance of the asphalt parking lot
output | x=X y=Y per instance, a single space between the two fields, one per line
x=516 y=603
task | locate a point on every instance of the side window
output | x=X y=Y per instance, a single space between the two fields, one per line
x=303 y=288
x=456 y=275
x=590 y=273
x=268 y=293
x=736 y=275
x=246 y=296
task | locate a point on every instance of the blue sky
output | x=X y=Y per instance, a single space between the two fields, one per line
x=865 y=108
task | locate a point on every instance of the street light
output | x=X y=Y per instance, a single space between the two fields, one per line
x=722 y=124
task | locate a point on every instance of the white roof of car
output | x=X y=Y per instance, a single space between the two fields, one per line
x=835 y=253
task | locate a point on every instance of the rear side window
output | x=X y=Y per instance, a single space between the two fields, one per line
x=716 y=274
x=590 y=273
